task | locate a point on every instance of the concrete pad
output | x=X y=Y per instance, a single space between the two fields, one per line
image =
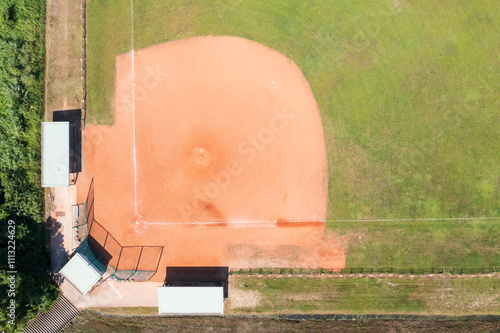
x=114 y=294
x=61 y=232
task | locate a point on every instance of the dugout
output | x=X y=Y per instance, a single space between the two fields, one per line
x=193 y=290
x=55 y=154
x=62 y=149
x=191 y=300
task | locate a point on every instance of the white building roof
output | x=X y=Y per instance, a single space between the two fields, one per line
x=191 y=300
x=81 y=273
x=55 y=154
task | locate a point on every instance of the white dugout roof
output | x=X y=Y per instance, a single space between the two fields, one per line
x=55 y=154
x=81 y=273
x=191 y=300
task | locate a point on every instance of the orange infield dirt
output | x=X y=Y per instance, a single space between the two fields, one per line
x=217 y=154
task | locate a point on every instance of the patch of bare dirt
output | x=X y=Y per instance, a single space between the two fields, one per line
x=243 y=299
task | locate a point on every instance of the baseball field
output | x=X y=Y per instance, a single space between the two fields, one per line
x=400 y=103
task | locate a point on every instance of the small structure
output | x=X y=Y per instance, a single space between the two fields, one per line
x=55 y=154
x=191 y=300
x=81 y=273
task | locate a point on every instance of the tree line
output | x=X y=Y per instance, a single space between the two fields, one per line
x=24 y=259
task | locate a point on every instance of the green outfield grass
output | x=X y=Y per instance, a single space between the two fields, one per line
x=408 y=94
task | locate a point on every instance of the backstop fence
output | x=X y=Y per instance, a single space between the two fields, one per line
x=122 y=263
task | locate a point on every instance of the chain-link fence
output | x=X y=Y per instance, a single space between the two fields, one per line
x=84 y=63
x=372 y=270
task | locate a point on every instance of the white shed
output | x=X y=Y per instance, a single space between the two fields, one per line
x=191 y=300
x=55 y=154
x=81 y=273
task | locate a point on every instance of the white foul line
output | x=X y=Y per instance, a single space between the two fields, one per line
x=238 y=226
x=133 y=105
x=232 y=222
x=318 y=221
x=429 y=219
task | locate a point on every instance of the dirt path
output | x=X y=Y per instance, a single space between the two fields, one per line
x=217 y=154
x=63 y=52
x=91 y=321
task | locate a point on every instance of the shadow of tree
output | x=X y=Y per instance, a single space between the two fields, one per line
x=35 y=290
x=59 y=255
